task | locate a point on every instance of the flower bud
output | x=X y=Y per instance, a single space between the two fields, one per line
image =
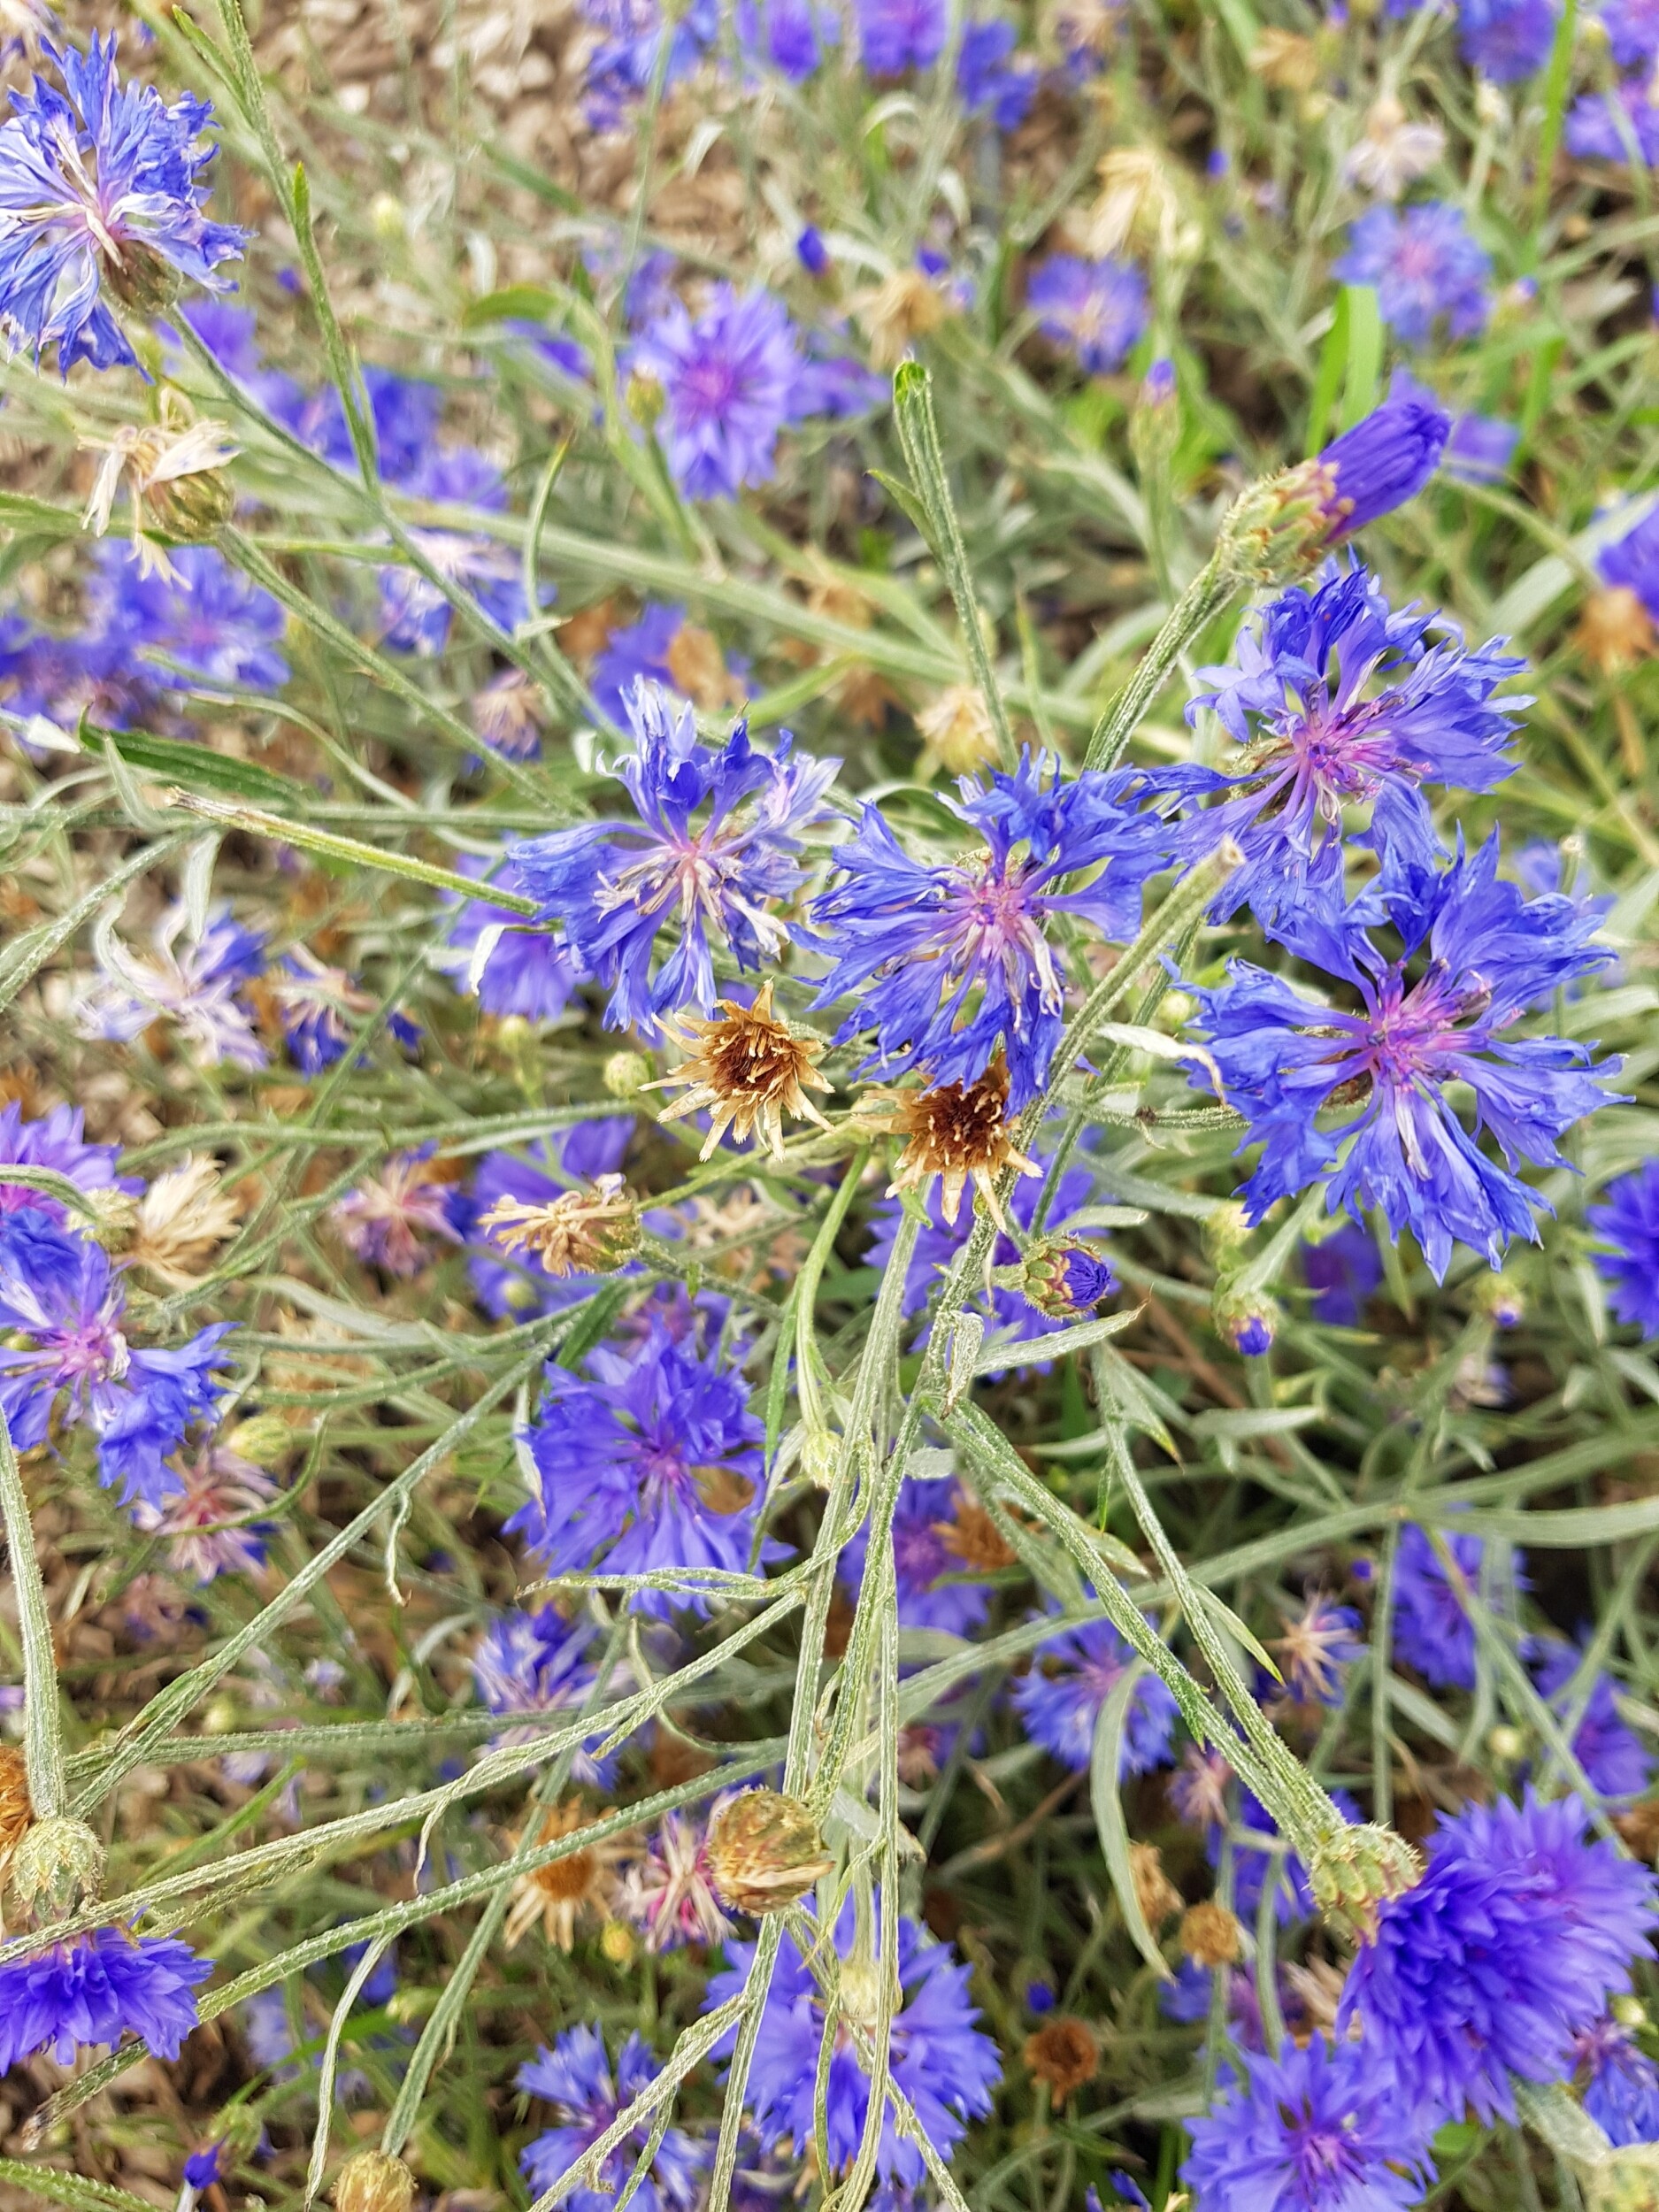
x=1066 y=1278
x=643 y=399
x=1247 y=1319
x=819 y=1448
x=140 y=278
x=1356 y=1869
x=111 y=1218
x=56 y=1868
x=626 y=1074
x=1506 y=1742
x=764 y=1851
x=192 y=507
x=1209 y=1935
x=375 y=2182
x=267 y=1439
x=617 y=1942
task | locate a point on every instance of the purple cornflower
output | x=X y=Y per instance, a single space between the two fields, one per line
x=1596 y=129
x=1314 y=2130
x=1338 y=700
x=1622 y=2094
x=1060 y=1700
x=319 y=1006
x=1432 y=1630
x=1285 y=1059
x=650 y=1460
x=895 y=35
x=56 y=1142
x=1503 y=1953
x=1508 y=38
x=57 y=1293
x=614 y=884
x=1615 y=1761
x=667 y=1892
x=1628 y=1220
x=946 y=2068
x=1198 y=1788
x=1315 y=1649
x=1632 y=30
x=512 y=966
x=937 y=1587
x=92 y=1989
x=58 y=679
x=811 y=252
x=640 y=649
x=204 y=2165
x=206 y=1523
x=987 y=81
x=576 y=2078
x=507 y=715
x=102 y=187
x=727 y=380
x=383 y=1221
x=831 y=384
x=624 y=66
x=206 y=625
x=1425 y=263
x=1096 y=310
x=191 y=984
x=1633 y=561
x=533 y=1668
x=948 y=963
x=1480 y=449
x=1342 y=1271
x=787 y=33
x=415 y=616
x=1383 y=460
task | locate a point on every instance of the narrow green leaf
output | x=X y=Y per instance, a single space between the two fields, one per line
x=1364 y=354
x=1328 y=380
x=196 y=767
x=1105 y=1764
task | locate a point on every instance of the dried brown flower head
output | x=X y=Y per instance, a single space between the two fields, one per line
x=181 y=1218
x=579 y=1233
x=1064 y=2053
x=373 y=2181
x=764 y=1852
x=1615 y=630
x=1639 y=1828
x=749 y=1070
x=698 y=668
x=903 y=308
x=1138 y=204
x=560 y=1893
x=174 y=472
x=959 y=1131
x=1287 y=59
x=15 y=1811
x=1209 y=1935
x=957 y=726
x=974 y=1538
x=1156 y=1895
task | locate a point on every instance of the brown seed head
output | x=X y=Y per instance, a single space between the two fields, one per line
x=903 y=307
x=581 y=1233
x=974 y=1538
x=373 y=2182
x=1064 y=2053
x=1639 y=1828
x=765 y=1851
x=1287 y=59
x=749 y=1070
x=1209 y=1935
x=1156 y=1895
x=1614 y=629
x=959 y=1131
x=15 y=1811
x=698 y=668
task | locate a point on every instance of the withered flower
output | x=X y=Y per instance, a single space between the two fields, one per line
x=558 y=1893
x=182 y=1215
x=579 y=1233
x=749 y=1068
x=959 y=1131
x=1064 y=2053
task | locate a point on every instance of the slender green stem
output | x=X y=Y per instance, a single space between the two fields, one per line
x=43 y=1730
x=1203 y=599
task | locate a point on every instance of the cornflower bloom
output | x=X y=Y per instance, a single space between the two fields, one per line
x=1337 y=700
x=92 y=1989
x=638 y=651
x=895 y=35
x=1633 y=561
x=529 y=1667
x=1616 y=1762
x=1632 y=30
x=1060 y=1701
x=668 y=1892
x=58 y=1294
x=951 y=963
x=192 y=985
x=1313 y=2129
x=988 y=81
x=1628 y=1221
x=201 y=624
x=384 y=1219
x=1507 y=39
x=1432 y=1629
x=1342 y=1271
x=650 y=1460
x=614 y=885
x=1598 y=124
x=1425 y=263
x=932 y=1542
x=415 y=615
x=319 y=1007
x=1622 y=2094
x=55 y=1141
x=1097 y=310
x=786 y=32
x=101 y=185
x=1503 y=1953
x=1285 y=1059
x=944 y=2065
x=576 y=2078
x=1316 y=1647
x=512 y=966
x=206 y=1522
x=727 y=382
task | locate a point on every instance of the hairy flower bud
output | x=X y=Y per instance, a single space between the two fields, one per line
x=765 y=1851
x=1066 y=1278
x=626 y=1074
x=193 y=507
x=1247 y=1319
x=1359 y=1867
x=375 y=2182
x=267 y=1439
x=56 y=1868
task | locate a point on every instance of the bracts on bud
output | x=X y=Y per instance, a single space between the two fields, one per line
x=764 y=1852
x=1356 y=1869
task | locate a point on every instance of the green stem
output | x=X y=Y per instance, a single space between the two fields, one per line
x=43 y=1734
x=1203 y=599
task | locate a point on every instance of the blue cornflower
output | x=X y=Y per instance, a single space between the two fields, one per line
x=60 y=1296
x=576 y=2078
x=789 y=33
x=1096 y=310
x=624 y=63
x=1480 y=449
x=1382 y=462
x=205 y=624
x=614 y=884
x=1314 y=2130
x=1595 y=130
x=1633 y=561
x=1622 y=2094
x=533 y=1667
x=948 y=963
x=830 y=385
x=511 y=967
x=727 y=380
x=987 y=81
x=1071 y=1677
x=319 y=1006
x=101 y=188
x=1615 y=1761
x=1342 y=1271
x=1432 y=1629
x=1508 y=38
x=1628 y=1220
x=640 y=649
x=811 y=252
x=931 y=1557
x=944 y=2065
x=651 y=1460
x=1505 y=1951
x=57 y=1141
x=1316 y=1647
x=1340 y=701
x=1425 y=263
x=1285 y=1059
x=895 y=35
x=95 y=1987
x=415 y=616
x=1632 y=30
x=95 y=673
x=204 y=2166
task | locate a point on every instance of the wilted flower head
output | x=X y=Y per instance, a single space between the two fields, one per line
x=508 y=715
x=727 y=383
x=384 y=1219
x=764 y=1851
x=748 y=1069
x=562 y=1893
x=92 y=1989
x=1198 y=1788
x=189 y=981
x=1315 y=1649
x=1316 y=2128
x=1097 y=310
x=1425 y=264
x=207 y=1522
x=1060 y=1701
x=614 y=885
x=575 y=2076
x=906 y=306
x=1394 y=152
x=184 y=1215
x=319 y=1006
x=579 y=1233
x=172 y=471
x=959 y=1133
x=101 y=185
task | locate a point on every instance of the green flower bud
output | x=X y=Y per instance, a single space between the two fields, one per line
x=57 y=1869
